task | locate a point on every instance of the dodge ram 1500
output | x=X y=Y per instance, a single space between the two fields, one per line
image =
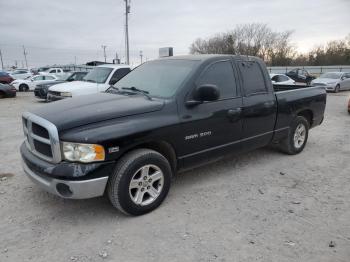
x=164 y=116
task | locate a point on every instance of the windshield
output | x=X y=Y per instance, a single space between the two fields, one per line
x=331 y=75
x=159 y=78
x=98 y=75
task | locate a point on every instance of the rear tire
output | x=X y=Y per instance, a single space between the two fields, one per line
x=140 y=182
x=296 y=140
x=23 y=88
x=2 y=95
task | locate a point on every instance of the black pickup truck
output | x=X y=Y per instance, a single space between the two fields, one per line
x=164 y=116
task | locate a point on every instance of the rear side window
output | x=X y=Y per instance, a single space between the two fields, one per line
x=252 y=77
x=221 y=75
x=119 y=74
x=283 y=78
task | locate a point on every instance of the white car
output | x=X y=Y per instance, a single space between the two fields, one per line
x=56 y=71
x=20 y=74
x=281 y=79
x=333 y=81
x=97 y=80
x=30 y=82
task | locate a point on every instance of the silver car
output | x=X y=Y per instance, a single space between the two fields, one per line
x=333 y=81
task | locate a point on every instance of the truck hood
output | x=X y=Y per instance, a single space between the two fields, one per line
x=73 y=86
x=74 y=112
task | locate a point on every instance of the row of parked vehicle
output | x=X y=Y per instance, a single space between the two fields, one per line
x=54 y=84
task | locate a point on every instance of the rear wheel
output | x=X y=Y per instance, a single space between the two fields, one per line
x=140 y=182
x=23 y=88
x=2 y=94
x=296 y=140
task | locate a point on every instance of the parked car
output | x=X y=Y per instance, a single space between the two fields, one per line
x=97 y=80
x=41 y=90
x=20 y=74
x=7 y=90
x=56 y=71
x=5 y=78
x=281 y=79
x=30 y=82
x=333 y=81
x=164 y=116
x=349 y=105
x=301 y=76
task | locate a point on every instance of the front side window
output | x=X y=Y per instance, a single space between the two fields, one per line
x=52 y=71
x=160 y=78
x=98 y=75
x=38 y=78
x=221 y=75
x=119 y=74
x=253 y=78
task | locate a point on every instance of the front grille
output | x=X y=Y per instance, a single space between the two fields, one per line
x=41 y=138
x=54 y=93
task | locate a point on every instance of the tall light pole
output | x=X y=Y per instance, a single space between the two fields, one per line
x=25 y=56
x=141 y=55
x=104 y=52
x=2 y=62
x=127 y=11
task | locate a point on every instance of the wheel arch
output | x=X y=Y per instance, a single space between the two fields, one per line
x=308 y=115
x=162 y=147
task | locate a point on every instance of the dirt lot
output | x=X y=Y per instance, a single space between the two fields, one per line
x=261 y=206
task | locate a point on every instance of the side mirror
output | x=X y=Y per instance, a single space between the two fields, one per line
x=32 y=79
x=204 y=93
x=342 y=78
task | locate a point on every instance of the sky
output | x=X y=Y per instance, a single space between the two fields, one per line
x=61 y=32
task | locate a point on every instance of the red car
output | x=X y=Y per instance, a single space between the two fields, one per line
x=5 y=78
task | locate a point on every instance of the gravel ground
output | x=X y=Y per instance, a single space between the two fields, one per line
x=261 y=206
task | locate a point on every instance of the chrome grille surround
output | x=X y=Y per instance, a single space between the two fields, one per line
x=53 y=141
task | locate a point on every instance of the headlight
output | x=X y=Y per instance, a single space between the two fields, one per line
x=66 y=94
x=83 y=152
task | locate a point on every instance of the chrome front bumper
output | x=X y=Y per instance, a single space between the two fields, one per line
x=74 y=189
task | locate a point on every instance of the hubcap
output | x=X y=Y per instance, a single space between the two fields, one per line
x=146 y=185
x=299 y=136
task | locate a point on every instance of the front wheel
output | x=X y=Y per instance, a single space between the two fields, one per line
x=296 y=140
x=140 y=182
x=337 y=89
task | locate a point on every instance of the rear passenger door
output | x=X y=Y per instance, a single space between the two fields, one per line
x=259 y=106
x=212 y=128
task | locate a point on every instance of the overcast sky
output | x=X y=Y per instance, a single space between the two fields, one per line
x=58 y=31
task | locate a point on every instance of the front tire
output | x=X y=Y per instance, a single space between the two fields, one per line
x=337 y=89
x=140 y=182
x=296 y=140
x=23 y=88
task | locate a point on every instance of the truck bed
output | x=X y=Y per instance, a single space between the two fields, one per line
x=278 y=88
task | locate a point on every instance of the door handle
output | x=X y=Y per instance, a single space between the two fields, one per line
x=234 y=112
x=269 y=104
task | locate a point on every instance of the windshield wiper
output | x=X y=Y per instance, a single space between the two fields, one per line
x=137 y=90
x=91 y=81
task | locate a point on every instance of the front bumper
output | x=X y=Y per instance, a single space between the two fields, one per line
x=67 y=180
x=51 y=97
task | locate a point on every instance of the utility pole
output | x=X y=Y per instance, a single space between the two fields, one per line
x=127 y=11
x=25 y=56
x=141 y=55
x=2 y=62
x=104 y=52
